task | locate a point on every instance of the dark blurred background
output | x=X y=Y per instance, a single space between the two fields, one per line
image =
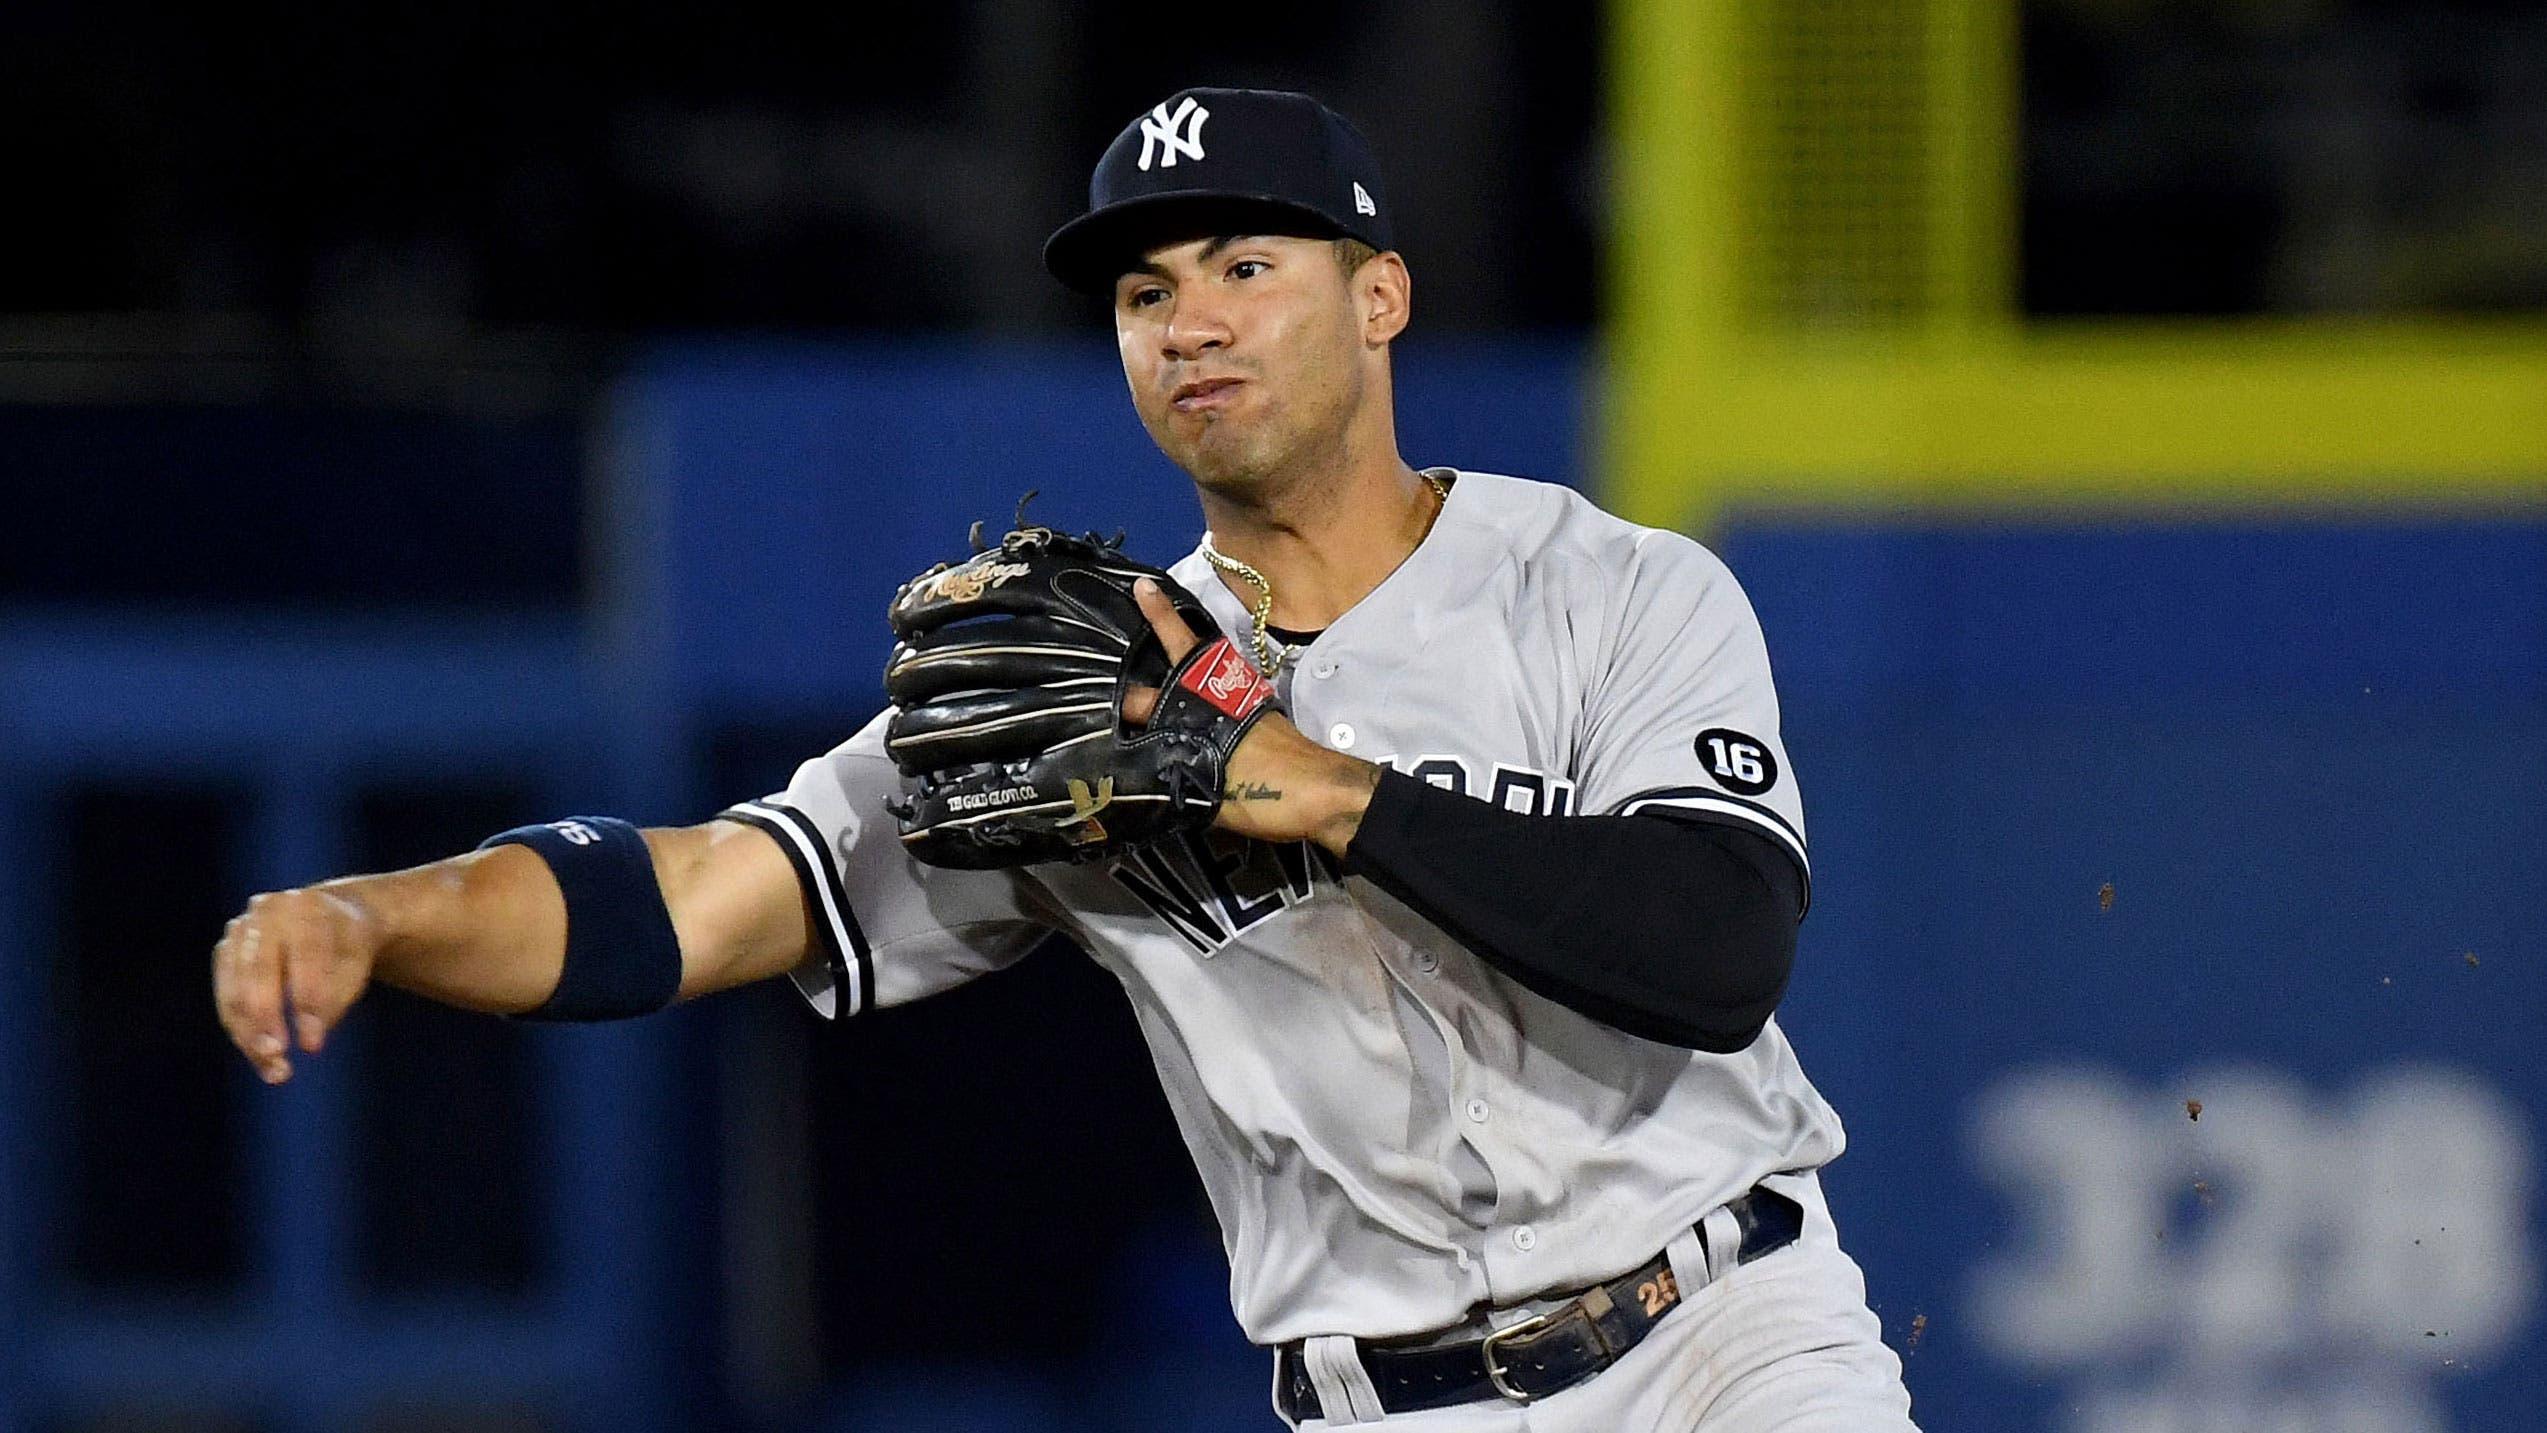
x=412 y=242
x=326 y=331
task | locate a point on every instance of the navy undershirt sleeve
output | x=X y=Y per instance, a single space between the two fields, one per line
x=1664 y=927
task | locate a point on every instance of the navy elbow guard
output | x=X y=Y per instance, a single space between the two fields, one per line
x=622 y=957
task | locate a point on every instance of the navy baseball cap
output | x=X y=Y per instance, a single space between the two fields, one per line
x=1214 y=161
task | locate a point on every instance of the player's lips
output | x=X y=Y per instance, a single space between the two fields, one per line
x=1203 y=394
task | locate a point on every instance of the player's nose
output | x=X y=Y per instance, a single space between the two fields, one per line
x=1196 y=328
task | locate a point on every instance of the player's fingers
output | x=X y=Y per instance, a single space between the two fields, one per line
x=327 y=974
x=1178 y=638
x=257 y=974
x=1138 y=703
x=255 y=1003
x=309 y=979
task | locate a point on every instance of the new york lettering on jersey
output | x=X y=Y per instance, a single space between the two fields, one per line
x=1212 y=888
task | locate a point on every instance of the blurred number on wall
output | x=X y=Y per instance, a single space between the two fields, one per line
x=2238 y=1252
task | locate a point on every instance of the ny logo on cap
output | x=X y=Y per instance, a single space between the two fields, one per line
x=1173 y=134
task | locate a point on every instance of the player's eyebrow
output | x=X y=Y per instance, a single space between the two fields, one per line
x=1202 y=256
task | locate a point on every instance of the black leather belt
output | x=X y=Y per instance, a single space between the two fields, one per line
x=1544 y=1354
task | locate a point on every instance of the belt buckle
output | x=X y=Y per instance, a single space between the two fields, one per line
x=1494 y=1371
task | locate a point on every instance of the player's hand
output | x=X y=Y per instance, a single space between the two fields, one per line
x=287 y=969
x=1280 y=786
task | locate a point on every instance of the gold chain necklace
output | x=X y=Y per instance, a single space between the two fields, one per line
x=1266 y=660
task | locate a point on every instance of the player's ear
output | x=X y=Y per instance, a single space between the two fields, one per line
x=1384 y=292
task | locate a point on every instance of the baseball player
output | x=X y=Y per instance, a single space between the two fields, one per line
x=1436 y=824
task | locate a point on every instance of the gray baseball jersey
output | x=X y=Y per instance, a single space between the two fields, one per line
x=1391 y=1131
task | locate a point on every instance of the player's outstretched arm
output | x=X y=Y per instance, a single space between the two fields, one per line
x=488 y=931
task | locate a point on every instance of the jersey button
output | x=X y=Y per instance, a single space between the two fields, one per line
x=1427 y=962
x=1477 y=1111
x=1340 y=736
x=1525 y=1238
x=1323 y=669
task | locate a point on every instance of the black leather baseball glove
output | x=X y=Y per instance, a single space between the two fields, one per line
x=1010 y=677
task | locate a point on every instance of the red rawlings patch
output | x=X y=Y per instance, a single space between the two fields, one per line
x=1222 y=677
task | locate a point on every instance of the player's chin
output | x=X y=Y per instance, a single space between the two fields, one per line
x=1178 y=428
x=1218 y=454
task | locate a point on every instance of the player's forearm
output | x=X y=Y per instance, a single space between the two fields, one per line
x=491 y=930
x=1672 y=931
x=483 y=931
x=586 y=919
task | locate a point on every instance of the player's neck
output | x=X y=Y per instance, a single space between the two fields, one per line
x=1325 y=539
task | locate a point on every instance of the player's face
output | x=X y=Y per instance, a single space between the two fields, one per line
x=1245 y=354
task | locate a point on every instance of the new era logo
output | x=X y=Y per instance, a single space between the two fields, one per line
x=1362 y=200
x=1165 y=136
